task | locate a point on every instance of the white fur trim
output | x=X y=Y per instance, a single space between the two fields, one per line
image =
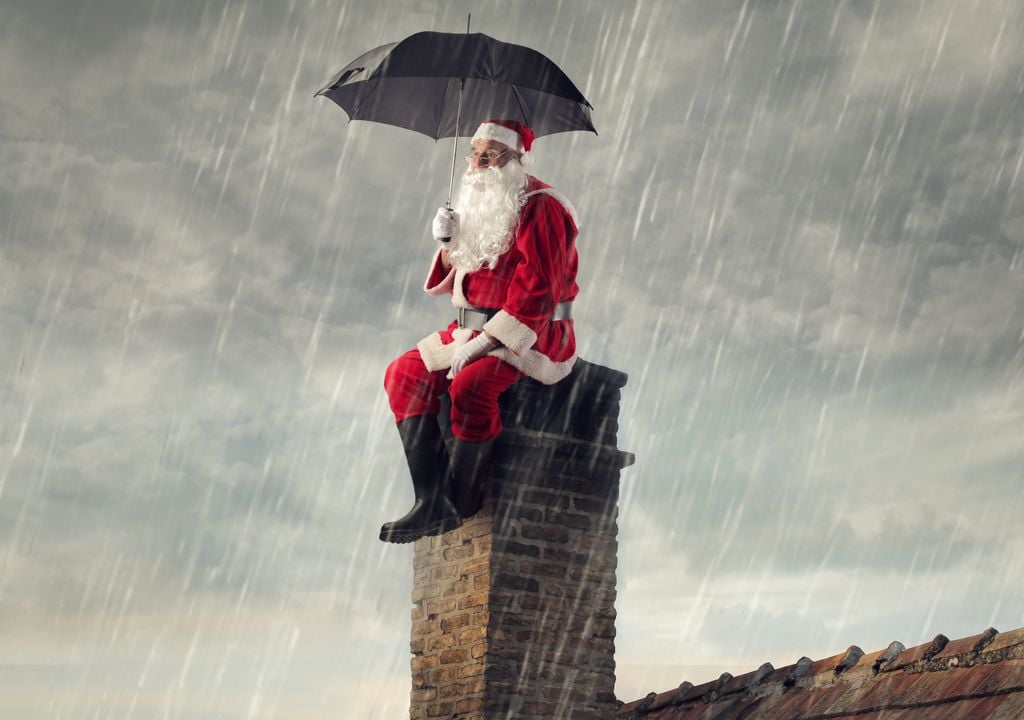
x=512 y=333
x=561 y=199
x=506 y=136
x=536 y=364
x=438 y=356
x=458 y=296
x=445 y=285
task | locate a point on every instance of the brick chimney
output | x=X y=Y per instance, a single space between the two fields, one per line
x=514 y=612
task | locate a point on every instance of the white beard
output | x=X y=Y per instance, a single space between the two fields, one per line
x=488 y=204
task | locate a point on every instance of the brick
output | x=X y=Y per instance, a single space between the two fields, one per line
x=589 y=575
x=474 y=600
x=501 y=599
x=530 y=602
x=444 y=675
x=425 y=591
x=505 y=618
x=498 y=705
x=455 y=655
x=439 y=606
x=454 y=690
x=474 y=633
x=474 y=566
x=423 y=694
x=544 y=532
x=457 y=621
x=478 y=650
x=508 y=651
x=526 y=513
x=481 y=582
x=512 y=547
x=440 y=709
x=515 y=582
x=546 y=569
x=498 y=671
x=416 y=646
x=426 y=627
x=440 y=572
x=573 y=520
x=423 y=662
x=461 y=552
x=474 y=529
x=441 y=642
x=459 y=587
x=471 y=670
x=504 y=688
x=595 y=506
x=466 y=705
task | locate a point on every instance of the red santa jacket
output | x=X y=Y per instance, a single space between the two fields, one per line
x=537 y=272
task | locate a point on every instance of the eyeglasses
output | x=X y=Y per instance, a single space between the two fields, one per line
x=485 y=159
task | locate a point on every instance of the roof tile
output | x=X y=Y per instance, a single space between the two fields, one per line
x=1005 y=640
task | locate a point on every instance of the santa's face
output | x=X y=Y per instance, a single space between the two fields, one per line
x=489 y=154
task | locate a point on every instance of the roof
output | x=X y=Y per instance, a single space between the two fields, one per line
x=974 y=677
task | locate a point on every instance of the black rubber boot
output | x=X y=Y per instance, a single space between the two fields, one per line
x=433 y=512
x=470 y=462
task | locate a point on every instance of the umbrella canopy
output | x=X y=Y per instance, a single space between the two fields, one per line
x=445 y=84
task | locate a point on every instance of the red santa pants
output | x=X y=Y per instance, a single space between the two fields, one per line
x=413 y=391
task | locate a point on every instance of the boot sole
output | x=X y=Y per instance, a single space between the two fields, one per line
x=402 y=537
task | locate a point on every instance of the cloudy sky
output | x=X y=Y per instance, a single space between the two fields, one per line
x=802 y=238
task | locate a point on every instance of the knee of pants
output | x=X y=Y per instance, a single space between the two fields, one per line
x=400 y=374
x=410 y=387
x=473 y=389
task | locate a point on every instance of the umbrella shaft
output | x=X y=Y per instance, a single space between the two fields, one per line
x=455 y=145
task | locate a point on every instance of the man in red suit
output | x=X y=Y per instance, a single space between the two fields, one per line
x=507 y=257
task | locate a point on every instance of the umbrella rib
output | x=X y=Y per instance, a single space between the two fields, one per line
x=522 y=106
x=362 y=101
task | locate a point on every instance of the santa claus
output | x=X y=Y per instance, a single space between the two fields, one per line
x=507 y=257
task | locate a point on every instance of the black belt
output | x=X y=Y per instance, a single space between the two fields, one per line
x=475 y=318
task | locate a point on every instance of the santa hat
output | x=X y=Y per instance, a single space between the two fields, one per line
x=511 y=133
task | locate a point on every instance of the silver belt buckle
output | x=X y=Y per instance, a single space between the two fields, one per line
x=461 y=317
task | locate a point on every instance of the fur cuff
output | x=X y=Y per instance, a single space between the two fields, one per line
x=438 y=356
x=513 y=334
x=537 y=365
x=445 y=285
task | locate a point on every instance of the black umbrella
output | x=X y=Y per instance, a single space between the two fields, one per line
x=445 y=84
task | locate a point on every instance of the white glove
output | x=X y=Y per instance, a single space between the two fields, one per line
x=475 y=348
x=445 y=225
